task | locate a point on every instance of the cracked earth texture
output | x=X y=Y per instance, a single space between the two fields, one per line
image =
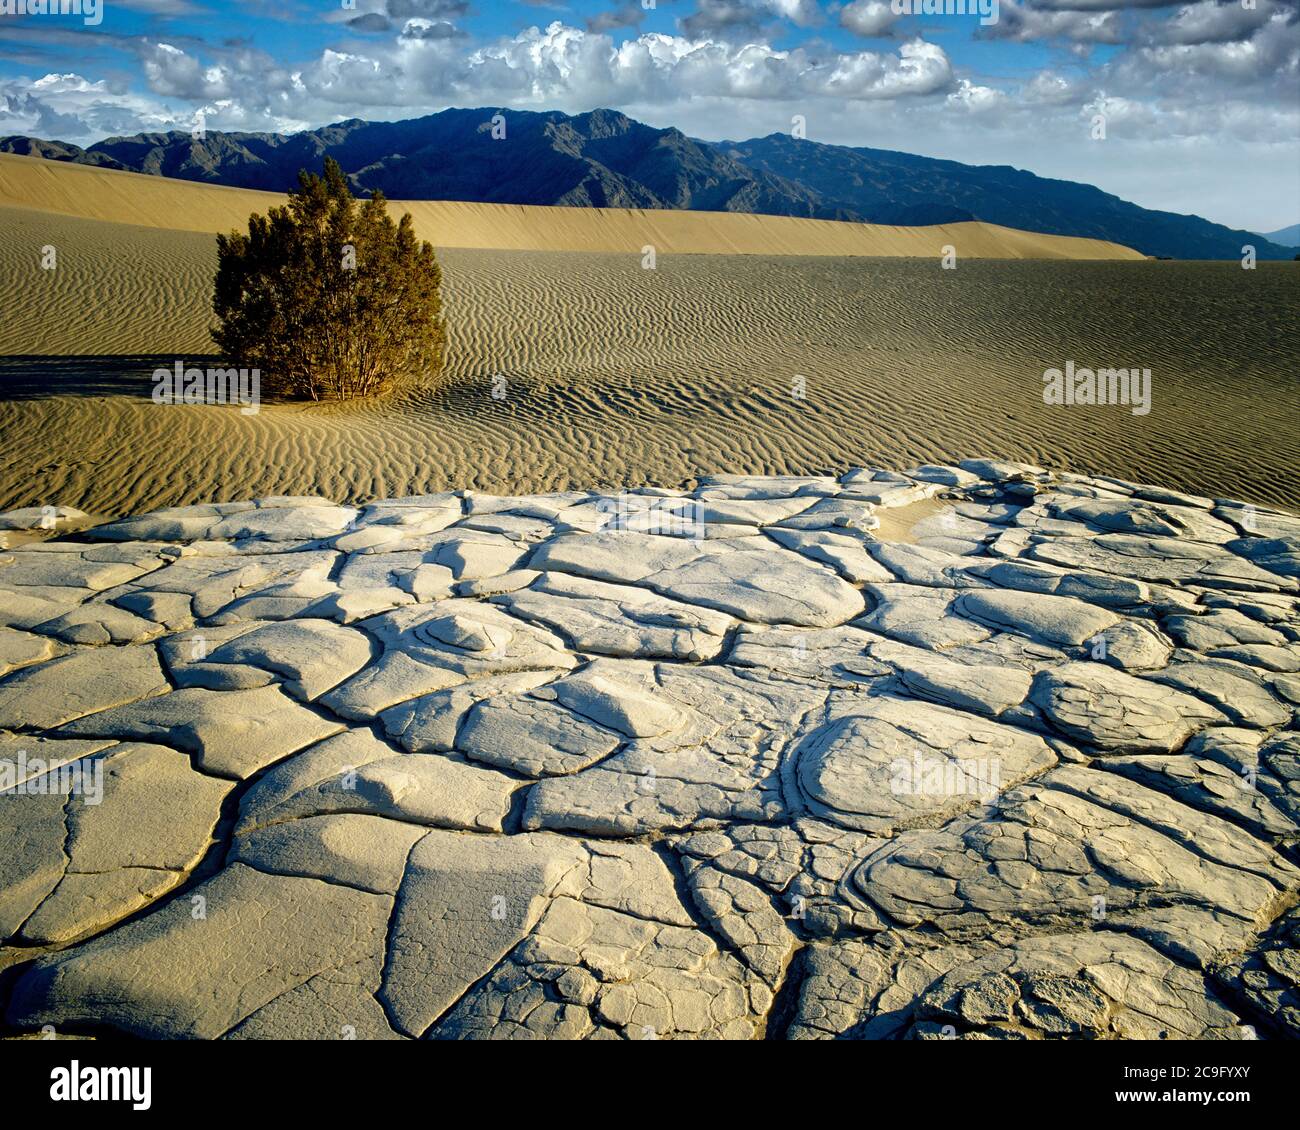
x=982 y=751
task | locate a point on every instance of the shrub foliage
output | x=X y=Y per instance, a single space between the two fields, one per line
x=329 y=297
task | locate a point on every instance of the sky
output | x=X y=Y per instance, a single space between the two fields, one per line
x=1187 y=107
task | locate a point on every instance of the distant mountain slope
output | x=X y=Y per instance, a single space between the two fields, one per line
x=602 y=160
x=887 y=187
x=605 y=159
x=56 y=151
x=1287 y=237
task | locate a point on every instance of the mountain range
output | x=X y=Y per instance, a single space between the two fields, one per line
x=604 y=159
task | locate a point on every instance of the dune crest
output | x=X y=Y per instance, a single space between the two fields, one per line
x=158 y=202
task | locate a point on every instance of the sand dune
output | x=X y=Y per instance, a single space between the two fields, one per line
x=617 y=375
x=132 y=198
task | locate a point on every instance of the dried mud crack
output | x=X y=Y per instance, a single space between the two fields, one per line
x=983 y=751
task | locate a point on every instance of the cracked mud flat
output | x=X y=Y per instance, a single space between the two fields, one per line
x=981 y=751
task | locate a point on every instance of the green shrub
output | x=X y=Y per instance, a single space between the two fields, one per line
x=328 y=297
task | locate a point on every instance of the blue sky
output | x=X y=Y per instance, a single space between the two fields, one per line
x=1199 y=102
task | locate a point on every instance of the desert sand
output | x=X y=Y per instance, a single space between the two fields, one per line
x=727 y=764
x=617 y=375
x=130 y=198
x=788 y=750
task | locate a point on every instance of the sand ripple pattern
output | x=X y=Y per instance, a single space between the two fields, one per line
x=618 y=375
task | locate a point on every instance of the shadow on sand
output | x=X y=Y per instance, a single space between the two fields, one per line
x=38 y=376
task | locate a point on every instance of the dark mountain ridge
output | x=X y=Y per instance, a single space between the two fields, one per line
x=604 y=159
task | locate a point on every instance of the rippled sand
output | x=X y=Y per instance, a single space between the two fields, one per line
x=619 y=375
